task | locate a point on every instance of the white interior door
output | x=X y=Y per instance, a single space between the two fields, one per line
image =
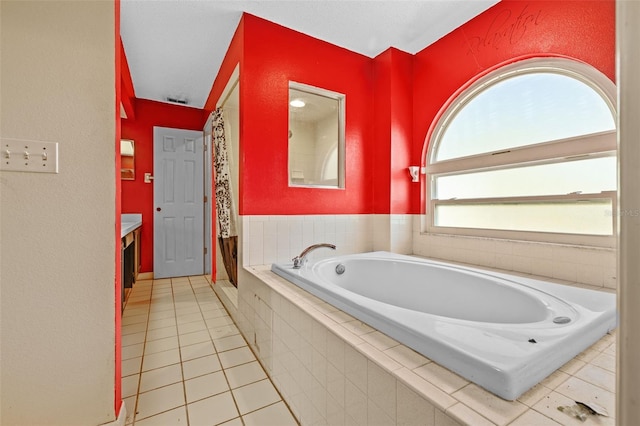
x=178 y=195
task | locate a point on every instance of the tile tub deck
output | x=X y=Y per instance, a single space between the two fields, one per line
x=378 y=380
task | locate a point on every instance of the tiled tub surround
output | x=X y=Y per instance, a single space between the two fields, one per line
x=333 y=369
x=593 y=266
x=273 y=239
x=276 y=239
x=503 y=332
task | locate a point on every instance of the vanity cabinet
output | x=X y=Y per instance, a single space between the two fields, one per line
x=130 y=248
x=130 y=253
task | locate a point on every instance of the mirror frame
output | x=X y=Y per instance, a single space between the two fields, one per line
x=341 y=98
x=128 y=171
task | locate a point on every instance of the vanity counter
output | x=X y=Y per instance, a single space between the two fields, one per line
x=129 y=222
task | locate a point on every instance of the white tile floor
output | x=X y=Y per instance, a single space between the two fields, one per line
x=184 y=362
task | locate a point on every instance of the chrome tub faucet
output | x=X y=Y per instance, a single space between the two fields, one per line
x=300 y=260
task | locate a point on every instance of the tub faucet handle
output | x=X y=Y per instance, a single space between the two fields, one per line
x=301 y=259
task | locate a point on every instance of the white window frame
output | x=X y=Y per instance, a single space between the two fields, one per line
x=558 y=151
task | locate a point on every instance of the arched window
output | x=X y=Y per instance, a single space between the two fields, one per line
x=527 y=152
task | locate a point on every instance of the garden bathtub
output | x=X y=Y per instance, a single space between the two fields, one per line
x=505 y=333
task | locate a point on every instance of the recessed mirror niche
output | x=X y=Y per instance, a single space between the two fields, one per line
x=316 y=137
x=127 y=157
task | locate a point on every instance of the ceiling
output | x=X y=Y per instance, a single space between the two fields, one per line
x=175 y=47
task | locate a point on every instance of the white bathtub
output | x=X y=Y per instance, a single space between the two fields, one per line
x=494 y=329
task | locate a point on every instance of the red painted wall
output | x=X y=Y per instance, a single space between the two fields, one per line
x=271 y=56
x=381 y=152
x=508 y=32
x=393 y=127
x=402 y=188
x=128 y=94
x=392 y=101
x=231 y=59
x=137 y=196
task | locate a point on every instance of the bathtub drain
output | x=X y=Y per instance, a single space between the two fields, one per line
x=562 y=320
x=340 y=269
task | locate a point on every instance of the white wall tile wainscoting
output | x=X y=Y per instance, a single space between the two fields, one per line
x=277 y=239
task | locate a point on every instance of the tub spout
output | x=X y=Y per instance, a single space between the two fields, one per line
x=300 y=260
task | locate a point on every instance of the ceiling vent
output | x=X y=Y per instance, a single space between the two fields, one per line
x=177 y=101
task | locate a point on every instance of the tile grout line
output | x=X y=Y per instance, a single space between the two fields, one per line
x=215 y=351
x=143 y=356
x=218 y=305
x=256 y=359
x=224 y=373
x=144 y=346
x=222 y=369
x=263 y=369
x=184 y=385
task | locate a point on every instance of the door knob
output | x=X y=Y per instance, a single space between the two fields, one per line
x=158 y=209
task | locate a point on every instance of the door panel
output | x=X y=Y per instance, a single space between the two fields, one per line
x=178 y=203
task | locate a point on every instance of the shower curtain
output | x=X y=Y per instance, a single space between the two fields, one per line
x=225 y=208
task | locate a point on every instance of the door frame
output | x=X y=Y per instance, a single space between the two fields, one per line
x=157 y=241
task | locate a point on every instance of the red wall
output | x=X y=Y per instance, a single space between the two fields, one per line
x=137 y=196
x=392 y=101
x=127 y=95
x=382 y=111
x=232 y=58
x=393 y=126
x=402 y=189
x=508 y=32
x=271 y=55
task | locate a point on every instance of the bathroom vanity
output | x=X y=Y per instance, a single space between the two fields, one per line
x=129 y=251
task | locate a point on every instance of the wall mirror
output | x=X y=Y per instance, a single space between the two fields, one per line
x=316 y=137
x=127 y=157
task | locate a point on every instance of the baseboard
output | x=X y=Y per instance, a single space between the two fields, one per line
x=122 y=417
x=145 y=275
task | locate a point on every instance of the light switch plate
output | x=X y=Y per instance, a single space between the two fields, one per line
x=28 y=156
